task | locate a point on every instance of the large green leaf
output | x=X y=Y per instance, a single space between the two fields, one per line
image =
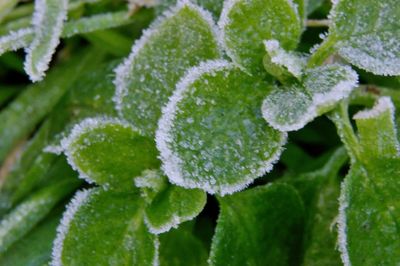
x=169 y=205
x=179 y=247
x=109 y=152
x=367 y=34
x=246 y=24
x=48 y=20
x=225 y=144
x=369 y=214
x=260 y=226
x=182 y=39
x=103 y=227
x=292 y=106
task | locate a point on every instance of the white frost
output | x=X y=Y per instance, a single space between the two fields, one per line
x=16 y=40
x=36 y=65
x=383 y=104
x=342 y=225
x=80 y=198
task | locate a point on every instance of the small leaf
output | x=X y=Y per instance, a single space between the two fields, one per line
x=171 y=205
x=293 y=106
x=179 y=247
x=225 y=144
x=16 y=40
x=183 y=38
x=103 y=227
x=279 y=62
x=109 y=152
x=48 y=21
x=377 y=130
x=246 y=24
x=260 y=226
x=371 y=42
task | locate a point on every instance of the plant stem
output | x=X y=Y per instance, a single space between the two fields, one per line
x=323 y=52
x=317 y=23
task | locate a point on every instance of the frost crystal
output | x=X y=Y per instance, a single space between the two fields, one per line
x=384 y=104
x=48 y=20
x=342 y=225
x=80 y=198
x=16 y=40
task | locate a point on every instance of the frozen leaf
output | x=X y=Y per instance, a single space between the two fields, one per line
x=367 y=33
x=109 y=152
x=369 y=213
x=15 y=40
x=48 y=20
x=225 y=144
x=260 y=226
x=246 y=24
x=184 y=37
x=103 y=227
x=180 y=247
x=293 y=106
x=172 y=205
x=35 y=248
x=377 y=130
x=279 y=62
x=27 y=214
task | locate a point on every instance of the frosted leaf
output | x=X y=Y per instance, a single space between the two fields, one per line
x=293 y=106
x=16 y=40
x=246 y=24
x=286 y=61
x=225 y=144
x=259 y=226
x=87 y=220
x=371 y=42
x=172 y=205
x=184 y=37
x=48 y=20
x=377 y=130
x=109 y=152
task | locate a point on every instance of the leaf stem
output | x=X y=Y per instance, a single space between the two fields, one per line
x=322 y=53
x=317 y=23
x=340 y=118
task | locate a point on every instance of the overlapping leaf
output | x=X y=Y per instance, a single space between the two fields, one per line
x=246 y=24
x=182 y=39
x=225 y=144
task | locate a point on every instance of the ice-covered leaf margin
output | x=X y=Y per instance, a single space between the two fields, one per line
x=171 y=161
x=48 y=21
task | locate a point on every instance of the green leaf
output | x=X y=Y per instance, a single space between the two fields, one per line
x=48 y=20
x=26 y=215
x=6 y=6
x=246 y=24
x=261 y=226
x=313 y=5
x=103 y=227
x=320 y=190
x=109 y=152
x=171 y=205
x=371 y=42
x=35 y=248
x=179 y=247
x=182 y=39
x=293 y=106
x=225 y=144
x=369 y=214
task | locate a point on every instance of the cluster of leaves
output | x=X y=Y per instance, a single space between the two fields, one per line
x=198 y=107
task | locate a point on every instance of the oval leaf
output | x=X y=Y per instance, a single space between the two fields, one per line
x=103 y=227
x=293 y=106
x=109 y=152
x=224 y=144
x=184 y=38
x=371 y=42
x=246 y=24
x=261 y=226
